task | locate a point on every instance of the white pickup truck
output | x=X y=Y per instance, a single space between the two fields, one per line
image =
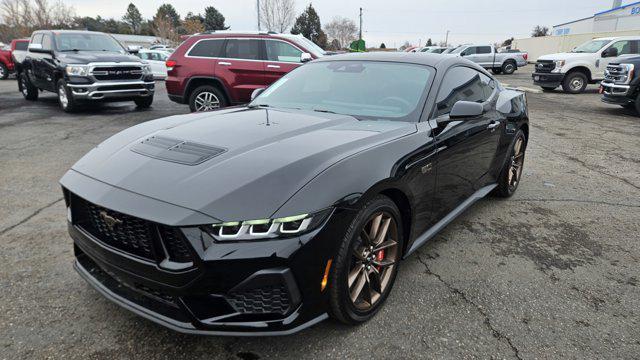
x=584 y=65
x=487 y=57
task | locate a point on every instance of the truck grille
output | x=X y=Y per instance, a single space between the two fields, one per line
x=615 y=73
x=117 y=72
x=545 y=66
x=132 y=235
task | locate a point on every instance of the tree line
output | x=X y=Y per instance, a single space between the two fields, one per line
x=19 y=18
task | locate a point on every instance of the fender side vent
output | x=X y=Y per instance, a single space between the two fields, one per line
x=174 y=150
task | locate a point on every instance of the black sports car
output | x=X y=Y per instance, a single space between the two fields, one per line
x=269 y=218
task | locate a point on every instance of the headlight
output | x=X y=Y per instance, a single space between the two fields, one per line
x=627 y=73
x=267 y=228
x=77 y=70
x=146 y=69
x=559 y=65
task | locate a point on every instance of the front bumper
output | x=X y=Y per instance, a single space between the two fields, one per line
x=547 y=79
x=615 y=93
x=221 y=292
x=105 y=90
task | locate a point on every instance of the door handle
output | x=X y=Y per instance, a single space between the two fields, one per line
x=273 y=66
x=493 y=125
x=224 y=63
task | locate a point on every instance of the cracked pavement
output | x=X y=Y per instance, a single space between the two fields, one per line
x=550 y=273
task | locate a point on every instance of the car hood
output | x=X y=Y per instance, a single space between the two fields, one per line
x=266 y=157
x=567 y=56
x=85 y=57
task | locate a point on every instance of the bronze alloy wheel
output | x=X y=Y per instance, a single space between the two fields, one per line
x=373 y=257
x=517 y=160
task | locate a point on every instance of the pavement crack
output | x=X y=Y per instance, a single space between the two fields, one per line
x=487 y=320
x=580 y=201
x=27 y=218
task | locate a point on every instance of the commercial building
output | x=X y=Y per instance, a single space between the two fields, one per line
x=618 y=18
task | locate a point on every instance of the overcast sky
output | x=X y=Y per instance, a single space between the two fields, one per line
x=392 y=22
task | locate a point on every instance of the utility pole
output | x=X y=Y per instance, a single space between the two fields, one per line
x=360 y=23
x=446 y=39
x=258 y=11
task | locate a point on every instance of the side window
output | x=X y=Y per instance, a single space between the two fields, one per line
x=282 y=51
x=207 y=48
x=460 y=83
x=37 y=39
x=483 y=50
x=22 y=45
x=46 y=42
x=489 y=86
x=161 y=57
x=248 y=49
x=626 y=47
x=143 y=56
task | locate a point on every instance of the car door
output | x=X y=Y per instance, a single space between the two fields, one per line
x=484 y=56
x=47 y=64
x=241 y=67
x=158 y=67
x=282 y=57
x=466 y=148
x=469 y=53
x=35 y=57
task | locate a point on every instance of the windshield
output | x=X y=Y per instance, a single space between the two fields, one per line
x=87 y=42
x=457 y=50
x=307 y=44
x=363 y=89
x=591 y=46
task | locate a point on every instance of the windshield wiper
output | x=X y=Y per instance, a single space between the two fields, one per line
x=76 y=50
x=325 y=111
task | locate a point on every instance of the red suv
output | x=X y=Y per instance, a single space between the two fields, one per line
x=213 y=70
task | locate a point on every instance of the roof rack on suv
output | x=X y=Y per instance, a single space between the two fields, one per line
x=250 y=32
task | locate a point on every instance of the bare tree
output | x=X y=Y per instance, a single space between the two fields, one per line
x=277 y=15
x=342 y=29
x=163 y=28
x=540 y=31
x=21 y=17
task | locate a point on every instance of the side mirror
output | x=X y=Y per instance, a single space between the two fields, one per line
x=37 y=48
x=305 y=57
x=610 y=52
x=466 y=109
x=133 y=49
x=256 y=93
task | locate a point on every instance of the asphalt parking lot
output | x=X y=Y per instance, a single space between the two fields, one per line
x=550 y=273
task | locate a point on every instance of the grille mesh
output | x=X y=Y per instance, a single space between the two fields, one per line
x=117 y=72
x=264 y=300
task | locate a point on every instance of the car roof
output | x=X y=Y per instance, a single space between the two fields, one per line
x=429 y=59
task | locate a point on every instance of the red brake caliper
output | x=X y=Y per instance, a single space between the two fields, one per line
x=379 y=257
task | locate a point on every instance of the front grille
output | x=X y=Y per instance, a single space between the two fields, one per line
x=271 y=299
x=615 y=73
x=122 y=87
x=545 y=66
x=117 y=72
x=130 y=234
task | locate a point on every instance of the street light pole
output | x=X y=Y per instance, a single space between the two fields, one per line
x=360 y=23
x=258 y=11
x=446 y=39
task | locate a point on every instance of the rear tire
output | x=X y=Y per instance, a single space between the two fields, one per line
x=509 y=67
x=511 y=173
x=575 y=82
x=4 y=72
x=496 y=71
x=27 y=89
x=362 y=277
x=144 y=102
x=206 y=98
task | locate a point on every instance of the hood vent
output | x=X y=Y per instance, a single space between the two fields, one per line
x=174 y=150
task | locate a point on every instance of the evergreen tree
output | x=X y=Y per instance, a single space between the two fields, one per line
x=213 y=19
x=133 y=18
x=169 y=12
x=383 y=46
x=429 y=42
x=308 y=24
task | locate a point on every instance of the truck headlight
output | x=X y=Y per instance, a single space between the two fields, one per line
x=559 y=65
x=77 y=70
x=146 y=69
x=627 y=70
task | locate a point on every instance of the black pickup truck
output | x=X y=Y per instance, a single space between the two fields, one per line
x=621 y=84
x=82 y=66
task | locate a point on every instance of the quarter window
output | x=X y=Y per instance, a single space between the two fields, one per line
x=248 y=49
x=207 y=48
x=462 y=83
x=282 y=51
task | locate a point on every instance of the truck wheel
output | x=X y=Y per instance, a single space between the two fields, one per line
x=206 y=98
x=575 y=82
x=509 y=67
x=65 y=97
x=4 y=72
x=144 y=102
x=27 y=89
x=496 y=71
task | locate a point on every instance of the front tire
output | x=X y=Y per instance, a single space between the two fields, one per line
x=144 y=102
x=366 y=265
x=575 y=82
x=4 y=72
x=206 y=98
x=511 y=173
x=27 y=89
x=65 y=98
